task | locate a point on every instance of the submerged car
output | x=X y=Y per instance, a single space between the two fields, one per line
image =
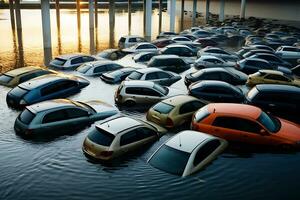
x=273 y=59
x=141 y=47
x=129 y=40
x=161 y=43
x=179 y=50
x=216 y=91
x=110 y=54
x=174 y=111
x=155 y=75
x=118 y=136
x=272 y=77
x=228 y=75
x=130 y=93
x=44 y=88
x=97 y=68
x=218 y=52
x=117 y=76
x=14 y=77
x=169 y=62
x=70 y=61
x=187 y=152
x=246 y=124
x=208 y=61
x=61 y=116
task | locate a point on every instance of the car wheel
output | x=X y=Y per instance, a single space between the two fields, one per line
x=129 y=103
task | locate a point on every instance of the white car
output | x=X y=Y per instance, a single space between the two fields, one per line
x=288 y=52
x=98 y=67
x=70 y=61
x=187 y=152
x=141 y=47
x=130 y=40
x=207 y=61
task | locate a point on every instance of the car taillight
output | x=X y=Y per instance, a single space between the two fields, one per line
x=106 y=153
x=169 y=123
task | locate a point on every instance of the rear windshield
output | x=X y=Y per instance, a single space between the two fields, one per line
x=5 y=78
x=26 y=116
x=59 y=61
x=122 y=39
x=135 y=75
x=101 y=137
x=17 y=91
x=170 y=160
x=201 y=114
x=84 y=68
x=163 y=108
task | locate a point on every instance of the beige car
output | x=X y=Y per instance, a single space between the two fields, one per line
x=272 y=77
x=131 y=93
x=174 y=111
x=14 y=77
x=118 y=136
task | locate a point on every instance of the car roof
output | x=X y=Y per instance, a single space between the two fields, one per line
x=149 y=69
x=70 y=56
x=213 y=83
x=268 y=71
x=98 y=63
x=179 y=99
x=51 y=104
x=256 y=59
x=36 y=82
x=116 y=125
x=235 y=109
x=138 y=83
x=166 y=57
x=22 y=70
x=210 y=57
x=174 y=45
x=213 y=69
x=142 y=43
x=277 y=87
x=188 y=140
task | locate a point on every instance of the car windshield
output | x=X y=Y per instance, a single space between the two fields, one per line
x=18 y=91
x=59 y=61
x=84 y=68
x=272 y=124
x=5 y=78
x=103 y=54
x=101 y=137
x=135 y=75
x=161 y=89
x=170 y=160
x=163 y=108
x=26 y=116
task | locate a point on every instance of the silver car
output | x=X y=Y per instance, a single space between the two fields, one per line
x=118 y=136
x=207 y=61
x=61 y=116
x=130 y=93
x=70 y=61
x=218 y=52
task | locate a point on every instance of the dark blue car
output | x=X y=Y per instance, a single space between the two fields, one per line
x=44 y=88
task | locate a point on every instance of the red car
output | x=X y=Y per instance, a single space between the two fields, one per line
x=161 y=43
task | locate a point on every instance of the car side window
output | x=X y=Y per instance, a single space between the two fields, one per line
x=133 y=90
x=56 y=87
x=225 y=77
x=100 y=69
x=132 y=40
x=129 y=137
x=207 y=149
x=237 y=124
x=186 y=108
x=54 y=116
x=151 y=76
x=76 y=113
x=197 y=105
x=145 y=132
x=276 y=77
x=150 y=92
x=77 y=61
x=87 y=59
x=162 y=75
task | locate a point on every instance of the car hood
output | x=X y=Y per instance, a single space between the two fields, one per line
x=289 y=131
x=100 y=106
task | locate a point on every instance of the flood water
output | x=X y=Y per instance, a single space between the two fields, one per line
x=57 y=169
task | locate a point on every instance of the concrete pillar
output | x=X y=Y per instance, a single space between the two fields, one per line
x=46 y=26
x=160 y=4
x=96 y=14
x=92 y=28
x=182 y=15
x=222 y=11
x=194 y=12
x=172 y=14
x=148 y=25
x=78 y=25
x=12 y=14
x=57 y=7
x=129 y=16
x=243 y=9
x=207 y=11
x=19 y=33
x=144 y=13
x=111 y=23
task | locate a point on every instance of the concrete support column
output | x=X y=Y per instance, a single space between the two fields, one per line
x=19 y=33
x=172 y=14
x=160 y=4
x=129 y=16
x=194 y=12
x=78 y=25
x=148 y=20
x=111 y=23
x=45 y=8
x=222 y=11
x=207 y=11
x=96 y=14
x=12 y=14
x=144 y=9
x=92 y=27
x=182 y=15
x=243 y=9
x=57 y=7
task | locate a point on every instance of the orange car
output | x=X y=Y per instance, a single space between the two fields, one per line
x=246 y=123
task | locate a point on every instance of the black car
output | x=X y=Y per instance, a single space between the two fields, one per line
x=275 y=98
x=179 y=50
x=216 y=91
x=169 y=62
x=273 y=59
x=117 y=76
x=228 y=75
x=44 y=88
x=111 y=54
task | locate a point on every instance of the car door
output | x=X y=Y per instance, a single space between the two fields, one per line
x=276 y=79
x=77 y=118
x=150 y=95
x=55 y=122
x=186 y=111
x=98 y=70
x=59 y=89
x=165 y=78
